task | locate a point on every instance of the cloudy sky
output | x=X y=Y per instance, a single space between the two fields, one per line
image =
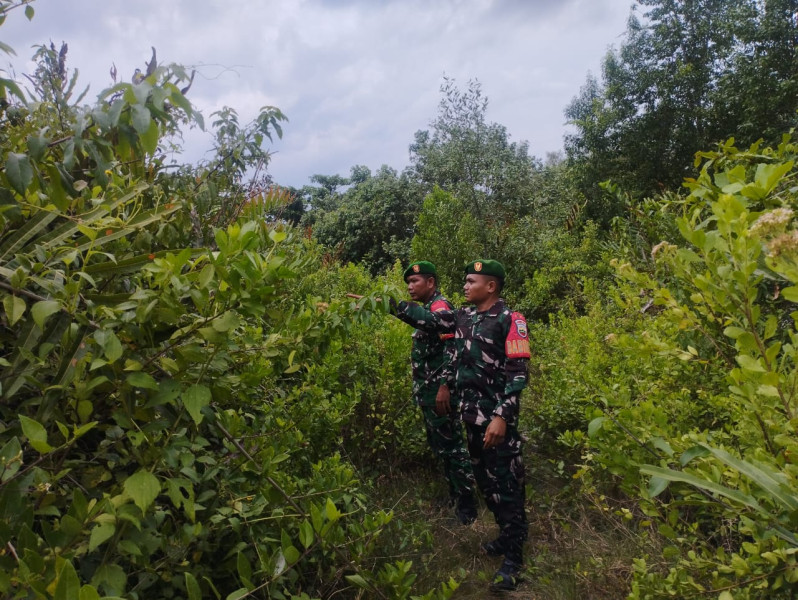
x=356 y=78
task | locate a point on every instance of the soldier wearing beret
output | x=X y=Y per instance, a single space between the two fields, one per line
x=489 y=372
x=430 y=360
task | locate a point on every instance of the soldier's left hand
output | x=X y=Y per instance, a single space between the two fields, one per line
x=494 y=434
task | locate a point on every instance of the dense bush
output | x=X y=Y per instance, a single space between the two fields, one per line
x=686 y=384
x=168 y=415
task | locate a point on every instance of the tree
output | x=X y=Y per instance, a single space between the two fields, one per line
x=757 y=96
x=371 y=222
x=674 y=87
x=448 y=235
x=475 y=160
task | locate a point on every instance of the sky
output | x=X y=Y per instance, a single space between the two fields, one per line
x=356 y=78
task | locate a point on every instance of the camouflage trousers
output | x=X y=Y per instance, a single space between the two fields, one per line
x=500 y=476
x=446 y=439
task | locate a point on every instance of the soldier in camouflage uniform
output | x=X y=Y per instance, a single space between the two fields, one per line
x=490 y=369
x=430 y=360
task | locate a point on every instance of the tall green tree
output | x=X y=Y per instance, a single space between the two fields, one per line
x=372 y=221
x=688 y=75
x=757 y=96
x=465 y=154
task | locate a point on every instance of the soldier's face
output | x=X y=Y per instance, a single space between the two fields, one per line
x=420 y=288
x=477 y=288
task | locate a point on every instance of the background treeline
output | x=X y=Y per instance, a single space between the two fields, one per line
x=191 y=407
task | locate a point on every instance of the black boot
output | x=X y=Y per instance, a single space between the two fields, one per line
x=507 y=577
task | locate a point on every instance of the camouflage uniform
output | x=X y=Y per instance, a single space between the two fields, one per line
x=430 y=357
x=490 y=370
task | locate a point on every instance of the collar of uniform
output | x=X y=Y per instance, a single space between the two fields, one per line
x=495 y=310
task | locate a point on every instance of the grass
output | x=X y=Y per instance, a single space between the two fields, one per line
x=580 y=546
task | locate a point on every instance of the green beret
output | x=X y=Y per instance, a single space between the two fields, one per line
x=421 y=267
x=485 y=267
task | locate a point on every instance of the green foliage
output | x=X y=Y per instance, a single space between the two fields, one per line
x=692 y=406
x=448 y=236
x=475 y=161
x=371 y=369
x=372 y=222
x=164 y=431
x=687 y=75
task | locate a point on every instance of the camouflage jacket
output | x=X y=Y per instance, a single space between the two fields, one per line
x=491 y=352
x=430 y=356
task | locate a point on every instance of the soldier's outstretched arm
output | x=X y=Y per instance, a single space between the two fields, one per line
x=441 y=321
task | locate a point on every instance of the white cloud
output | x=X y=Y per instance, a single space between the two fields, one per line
x=356 y=78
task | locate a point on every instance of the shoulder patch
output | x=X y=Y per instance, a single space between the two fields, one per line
x=517 y=343
x=438 y=306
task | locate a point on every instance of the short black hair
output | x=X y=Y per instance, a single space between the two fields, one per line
x=431 y=276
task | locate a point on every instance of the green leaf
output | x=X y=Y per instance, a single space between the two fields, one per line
x=779 y=490
x=68 y=586
x=358 y=581
x=192 y=587
x=595 y=425
x=790 y=293
x=10 y=459
x=306 y=537
x=205 y=276
x=88 y=592
x=149 y=138
x=239 y=593
x=681 y=476
x=656 y=486
x=141 y=379
x=195 y=399
x=111 y=577
x=34 y=228
x=333 y=514
x=19 y=172
x=36 y=434
x=226 y=322
x=291 y=554
x=37 y=144
x=316 y=517
x=112 y=347
x=42 y=310
x=733 y=332
x=143 y=487
x=243 y=567
x=15 y=307
x=140 y=118
x=101 y=534
x=661 y=444
x=691 y=453
x=750 y=363
x=29 y=12
x=277 y=236
x=768 y=390
x=70 y=525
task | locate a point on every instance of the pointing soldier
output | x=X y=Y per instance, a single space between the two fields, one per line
x=489 y=372
x=430 y=358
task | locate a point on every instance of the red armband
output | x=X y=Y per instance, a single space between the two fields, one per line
x=438 y=306
x=517 y=343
